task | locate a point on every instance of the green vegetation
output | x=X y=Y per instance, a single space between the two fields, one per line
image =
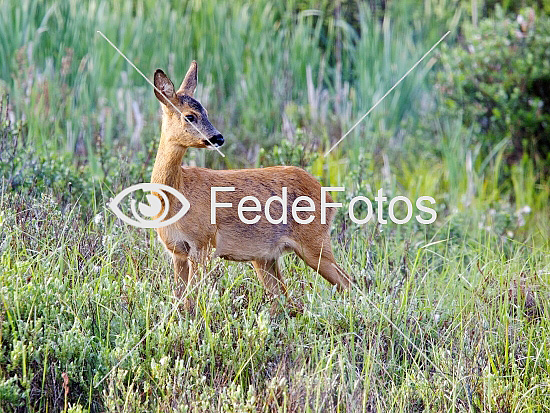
x=502 y=80
x=452 y=316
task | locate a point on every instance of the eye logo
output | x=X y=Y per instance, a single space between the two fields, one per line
x=154 y=206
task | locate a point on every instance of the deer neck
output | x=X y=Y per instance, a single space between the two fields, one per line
x=167 y=169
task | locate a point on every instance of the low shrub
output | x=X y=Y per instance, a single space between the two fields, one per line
x=498 y=76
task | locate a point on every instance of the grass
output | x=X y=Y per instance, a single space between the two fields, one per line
x=258 y=64
x=452 y=316
x=450 y=319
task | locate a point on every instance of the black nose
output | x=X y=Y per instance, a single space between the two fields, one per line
x=217 y=140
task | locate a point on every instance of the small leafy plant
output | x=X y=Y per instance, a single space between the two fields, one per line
x=499 y=77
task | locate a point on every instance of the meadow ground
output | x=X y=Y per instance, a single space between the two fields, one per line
x=452 y=319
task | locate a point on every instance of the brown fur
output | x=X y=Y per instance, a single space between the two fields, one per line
x=191 y=239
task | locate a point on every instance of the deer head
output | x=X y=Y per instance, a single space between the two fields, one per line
x=185 y=122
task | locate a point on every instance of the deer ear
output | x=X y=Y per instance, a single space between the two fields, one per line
x=165 y=85
x=189 y=83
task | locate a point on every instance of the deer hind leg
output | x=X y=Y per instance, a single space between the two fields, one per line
x=270 y=276
x=321 y=259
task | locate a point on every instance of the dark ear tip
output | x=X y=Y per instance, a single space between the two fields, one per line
x=159 y=72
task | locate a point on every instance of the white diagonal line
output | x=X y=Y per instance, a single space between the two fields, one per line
x=388 y=92
x=159 y=91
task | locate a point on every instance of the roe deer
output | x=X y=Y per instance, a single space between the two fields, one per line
x=191 y=239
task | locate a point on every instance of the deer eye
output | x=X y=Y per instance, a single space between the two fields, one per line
x=190 y=118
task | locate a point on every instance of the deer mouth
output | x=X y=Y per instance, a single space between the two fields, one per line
x=214 y=142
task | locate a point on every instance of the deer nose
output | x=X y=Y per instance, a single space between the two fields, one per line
x=217 y=140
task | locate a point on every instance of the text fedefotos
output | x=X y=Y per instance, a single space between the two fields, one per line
x=379 y=199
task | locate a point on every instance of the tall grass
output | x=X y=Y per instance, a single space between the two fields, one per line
x=254 y=60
